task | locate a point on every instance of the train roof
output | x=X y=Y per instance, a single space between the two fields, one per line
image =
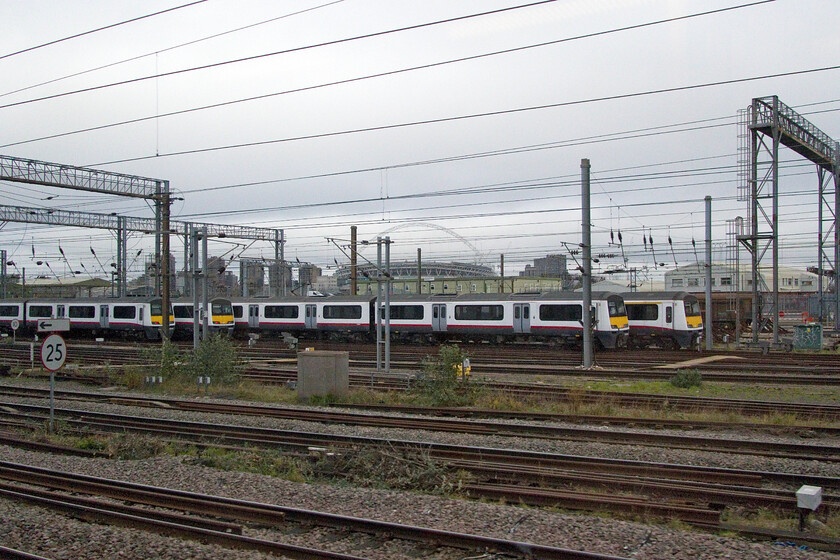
x=519 y=296
x=89 y=301
x=303 y=299
x=189 y=300
x=656 y=296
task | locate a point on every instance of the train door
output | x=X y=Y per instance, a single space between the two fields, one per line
x=103 y=316
x=254 y=316
x=59 y=311
x=438 y=316
x=311 y=316
x=521 y=317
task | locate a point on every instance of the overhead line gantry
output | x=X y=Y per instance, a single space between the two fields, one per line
x=765 y=126
x=58 y=175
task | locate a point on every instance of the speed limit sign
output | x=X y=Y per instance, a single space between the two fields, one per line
x=53 y=352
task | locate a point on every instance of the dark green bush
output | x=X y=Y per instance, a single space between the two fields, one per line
x=687 y=379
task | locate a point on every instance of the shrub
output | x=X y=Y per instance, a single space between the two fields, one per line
x=216 y=357
x=439 y=384
x=687 y=379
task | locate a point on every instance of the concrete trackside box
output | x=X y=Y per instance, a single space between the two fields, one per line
x=322 y=372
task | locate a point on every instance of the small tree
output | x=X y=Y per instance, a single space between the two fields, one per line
x=442 y=383
x=218 y=358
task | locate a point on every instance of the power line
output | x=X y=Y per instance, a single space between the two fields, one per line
x=361 y=78
x=478 y=115
x=98 y=29
x=275 y=53
x=172 y=48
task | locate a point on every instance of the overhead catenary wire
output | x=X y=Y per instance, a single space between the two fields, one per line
x=615 y=97
x=172 y=48
x=349 y=80
x=276 y=53
x=98 y=29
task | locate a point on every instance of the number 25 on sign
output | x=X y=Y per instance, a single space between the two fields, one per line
x=53 y=352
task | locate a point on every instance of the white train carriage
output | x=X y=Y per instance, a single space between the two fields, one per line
x=417 y=317
x=547 y=316
x=11 y=310
x=664 y=319
x=269 y=314
x=344 y=317
x=129 y=316
x=560 y=315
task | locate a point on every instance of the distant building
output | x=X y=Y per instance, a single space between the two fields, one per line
x=725 y=277
x=550 y=266
x=467 y=285
x=325 y=284
x=307 y=275
x=407 y=270
x=64 y=287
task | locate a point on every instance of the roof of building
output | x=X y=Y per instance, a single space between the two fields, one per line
x=68 y=283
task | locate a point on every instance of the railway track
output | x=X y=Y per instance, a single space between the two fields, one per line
x=827 y=453
x=666 y=485
x=279 y=411
x=718 y=367
x=197 y=516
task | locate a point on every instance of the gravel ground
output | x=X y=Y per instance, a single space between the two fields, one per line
x=54 y=536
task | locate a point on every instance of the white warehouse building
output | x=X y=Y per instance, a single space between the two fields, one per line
x=726 y=277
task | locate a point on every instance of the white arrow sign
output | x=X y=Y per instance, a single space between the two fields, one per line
x=53 y=325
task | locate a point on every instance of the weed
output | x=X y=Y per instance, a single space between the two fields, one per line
x=130 y=446
x=390 y=467
x=263 y=461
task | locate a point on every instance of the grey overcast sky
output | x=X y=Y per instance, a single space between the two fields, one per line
x=504 y=182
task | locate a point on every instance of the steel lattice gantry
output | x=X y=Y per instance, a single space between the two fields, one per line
x=768 y=124
x=124 y=224
x=36 y=172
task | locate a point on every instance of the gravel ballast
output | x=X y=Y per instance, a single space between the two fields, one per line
x=42 y=532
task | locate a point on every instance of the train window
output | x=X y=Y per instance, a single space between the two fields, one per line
x=435 y=312
x=129 y=311
x=516 y=313
x=692 y=308
x=406 y=312
x=342 y=312
x=479 y=312
x=526 y=312
x=81 y=312
x=669 y=314
x=616 y=307
x=552 y=312
x=181 y=312
x=643 y=311
x=221 y=309
x=281 y=312
x=237 y=311
x=9 y=310
x=40 y=311
x=156 y=308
